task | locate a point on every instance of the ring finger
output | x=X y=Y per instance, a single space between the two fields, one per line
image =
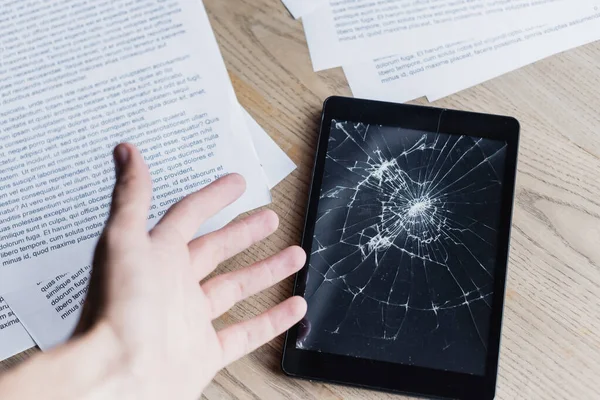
x=224 y=291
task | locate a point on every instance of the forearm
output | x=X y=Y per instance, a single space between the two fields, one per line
x=88 y=367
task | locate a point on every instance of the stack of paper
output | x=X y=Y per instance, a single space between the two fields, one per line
x=399 y=50
x=73 y=85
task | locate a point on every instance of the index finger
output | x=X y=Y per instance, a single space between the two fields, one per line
x=187 y=216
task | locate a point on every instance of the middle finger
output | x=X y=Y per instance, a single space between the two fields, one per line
x=208 y=251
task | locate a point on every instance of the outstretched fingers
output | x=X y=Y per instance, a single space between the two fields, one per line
x=224 y=291
x=186 y=217
x=240 y=339
x=210 y=250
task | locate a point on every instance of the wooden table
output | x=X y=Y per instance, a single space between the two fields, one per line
x=551 y=343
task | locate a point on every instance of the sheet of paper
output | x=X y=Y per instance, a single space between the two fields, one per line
x=450 y=67
x=348 y=32
x=51 y=309
x=276 y=164
x=299 y=8
x=154 y=78
x=535 y=45
x=13 y=337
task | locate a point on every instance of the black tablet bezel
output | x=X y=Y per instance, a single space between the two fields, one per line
x=385 y=375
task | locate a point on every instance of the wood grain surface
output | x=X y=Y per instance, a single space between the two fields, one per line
x=551 y=340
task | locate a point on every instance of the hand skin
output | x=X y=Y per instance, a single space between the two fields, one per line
x=146 y=331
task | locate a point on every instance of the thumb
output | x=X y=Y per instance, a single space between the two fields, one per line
x=130 y=203
x=133 y=190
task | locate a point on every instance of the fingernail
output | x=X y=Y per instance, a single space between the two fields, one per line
x=121 y=156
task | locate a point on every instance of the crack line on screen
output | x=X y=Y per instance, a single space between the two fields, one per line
x=411 y=212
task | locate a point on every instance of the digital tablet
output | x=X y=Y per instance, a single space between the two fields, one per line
x=407 y=235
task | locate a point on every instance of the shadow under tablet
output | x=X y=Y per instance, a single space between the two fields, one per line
x=405 y=245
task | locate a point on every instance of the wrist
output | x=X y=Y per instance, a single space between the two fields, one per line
x=85 y=367
x=97 y=363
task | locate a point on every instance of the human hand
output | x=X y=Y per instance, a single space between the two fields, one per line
x=146 y=310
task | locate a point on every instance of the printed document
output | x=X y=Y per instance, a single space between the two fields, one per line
x=75 y=81
x=13 y=337
x=345 y=32
x=532 y=46
x=451 y=67
x=50 y=310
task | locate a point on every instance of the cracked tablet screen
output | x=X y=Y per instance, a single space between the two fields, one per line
x=404 y=250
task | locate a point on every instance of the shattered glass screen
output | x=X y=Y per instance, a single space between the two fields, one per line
x=403 y=257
